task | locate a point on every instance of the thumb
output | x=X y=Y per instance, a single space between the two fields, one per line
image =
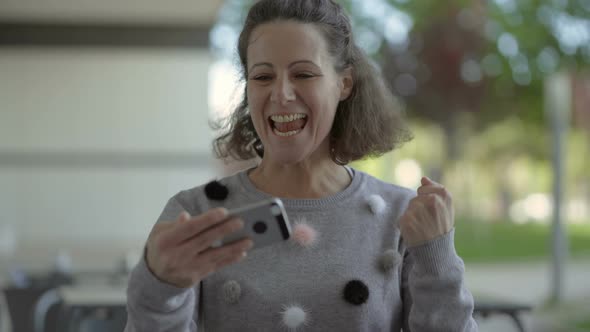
x=184 y=216
x=426 y=181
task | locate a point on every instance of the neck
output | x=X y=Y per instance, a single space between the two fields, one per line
x=301 y=180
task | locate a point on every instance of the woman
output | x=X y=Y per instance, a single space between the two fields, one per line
x=365 y=255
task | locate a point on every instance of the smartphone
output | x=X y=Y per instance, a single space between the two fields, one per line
x=265 y=223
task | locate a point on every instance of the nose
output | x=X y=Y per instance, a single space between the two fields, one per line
x=282 y=91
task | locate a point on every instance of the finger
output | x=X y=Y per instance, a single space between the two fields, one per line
x=230 y=260
x=424 y=190
x=193 y=226
x=206 y=239
x=419 y=205
x=210 y=267
x=415 y=203
x=426 y=181
x=207 y=262
x=216 y=255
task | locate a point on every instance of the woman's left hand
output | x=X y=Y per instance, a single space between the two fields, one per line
x=429 y=215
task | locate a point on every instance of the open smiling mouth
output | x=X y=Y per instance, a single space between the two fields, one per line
x=287 y=125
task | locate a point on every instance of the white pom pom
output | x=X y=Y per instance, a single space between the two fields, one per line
x=389 y=259
x=376 y=204
x=231 y=291
x=294 y=317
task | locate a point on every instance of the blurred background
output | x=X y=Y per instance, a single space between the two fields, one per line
x=105 y=110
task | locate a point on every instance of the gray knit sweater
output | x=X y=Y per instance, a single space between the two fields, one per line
x=294 y=287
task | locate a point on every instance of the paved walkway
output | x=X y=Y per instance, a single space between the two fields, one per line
x=529 y=283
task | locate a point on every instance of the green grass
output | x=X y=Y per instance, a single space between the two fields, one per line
x=583 y=326
x=569 y=316
x=478 y=241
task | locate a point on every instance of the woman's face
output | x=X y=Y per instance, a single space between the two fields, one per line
x=293 y=90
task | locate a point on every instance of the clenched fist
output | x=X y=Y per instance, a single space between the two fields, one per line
x=429 y=215
x=180 y=252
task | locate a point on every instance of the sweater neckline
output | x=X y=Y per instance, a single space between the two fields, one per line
x=339 y=198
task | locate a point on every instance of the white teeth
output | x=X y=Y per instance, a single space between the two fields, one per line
x=289 y=133
x=287 y=118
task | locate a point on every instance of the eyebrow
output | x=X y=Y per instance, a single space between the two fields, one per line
x=268 y=64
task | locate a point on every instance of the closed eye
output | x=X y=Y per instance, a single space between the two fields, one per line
x=304 y=75
x=262 y=78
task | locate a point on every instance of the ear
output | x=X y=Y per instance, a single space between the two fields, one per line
x=346 y=83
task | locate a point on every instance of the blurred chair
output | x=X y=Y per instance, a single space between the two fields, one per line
x=48 y=302
x=488 y=307
x=5 y=320
x=95 y=319
x=82 y=309
x=23 y=293
x=21 y=303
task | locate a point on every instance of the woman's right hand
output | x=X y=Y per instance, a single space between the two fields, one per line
x=180 y=253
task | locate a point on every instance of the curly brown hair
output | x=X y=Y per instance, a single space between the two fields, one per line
x=368 y=123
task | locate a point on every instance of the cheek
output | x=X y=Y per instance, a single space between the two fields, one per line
x=251 y=96
x=324 y=104
x=254 y=103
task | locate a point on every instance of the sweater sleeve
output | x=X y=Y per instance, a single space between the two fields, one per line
x=434 y=294
x=153 y=305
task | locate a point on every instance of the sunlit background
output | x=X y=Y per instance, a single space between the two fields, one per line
x=95 y=137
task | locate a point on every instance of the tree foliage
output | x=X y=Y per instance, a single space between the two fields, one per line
x=488 y=57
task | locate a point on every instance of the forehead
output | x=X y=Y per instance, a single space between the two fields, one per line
x=283 y=42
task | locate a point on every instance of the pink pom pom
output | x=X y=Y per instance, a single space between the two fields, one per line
x=304 y=235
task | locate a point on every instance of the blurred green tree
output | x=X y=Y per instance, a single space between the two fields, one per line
x=487 y=58
x=480 y=65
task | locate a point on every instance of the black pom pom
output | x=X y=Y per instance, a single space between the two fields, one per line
x=356 y=292
x=216 y=191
